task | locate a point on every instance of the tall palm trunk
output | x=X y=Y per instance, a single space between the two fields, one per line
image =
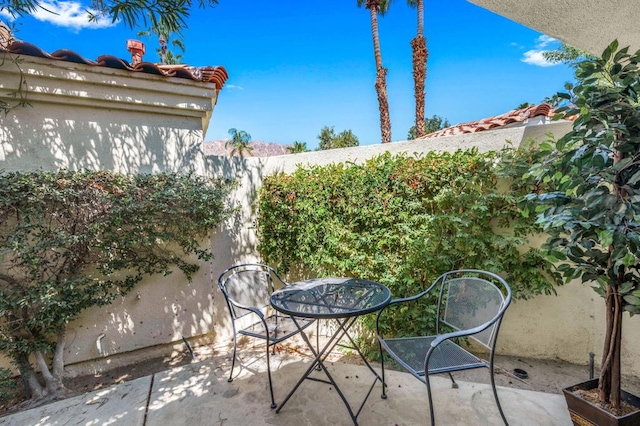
x=381 y=74
x=420 y=55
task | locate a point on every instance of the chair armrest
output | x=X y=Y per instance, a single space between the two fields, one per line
x=253 y=309
x=395 y=302
x=463 y=333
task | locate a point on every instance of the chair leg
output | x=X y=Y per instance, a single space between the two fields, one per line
x=431 y=411
x=233 y=357
x=273 y=402
x=495 y=394
x=318 y=341
x=454 y=385
x=384 y=384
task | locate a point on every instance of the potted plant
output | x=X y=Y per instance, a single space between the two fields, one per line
x=589 y=205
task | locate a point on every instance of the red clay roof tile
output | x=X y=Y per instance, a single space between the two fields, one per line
x=514 y=116
x=210 y=74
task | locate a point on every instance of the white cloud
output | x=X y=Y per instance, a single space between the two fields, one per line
x=6 y=16
x=233 y=86
x=69 y=14
x=535 y=57
x=544 y=40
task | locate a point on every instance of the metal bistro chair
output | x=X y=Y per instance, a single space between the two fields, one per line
x=247 y=289
x=471 y=304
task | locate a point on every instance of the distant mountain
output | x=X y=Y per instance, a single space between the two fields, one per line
x=260 y=149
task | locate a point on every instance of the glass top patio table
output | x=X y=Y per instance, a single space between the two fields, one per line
x=339 y=300
x=331 y=298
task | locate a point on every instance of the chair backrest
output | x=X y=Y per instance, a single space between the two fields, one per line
x=471 y=299
x=248 y=285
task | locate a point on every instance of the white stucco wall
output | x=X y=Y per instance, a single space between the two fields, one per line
x=93 y=117
x=160 y=310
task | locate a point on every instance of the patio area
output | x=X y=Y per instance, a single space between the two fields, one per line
x=198 y=393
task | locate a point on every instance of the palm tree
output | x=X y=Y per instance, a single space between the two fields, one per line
x=419 y=55
x=379 y=7
x=298 y=147
x=239 y=142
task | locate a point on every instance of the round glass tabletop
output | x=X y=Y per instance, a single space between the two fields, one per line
x=331 y=298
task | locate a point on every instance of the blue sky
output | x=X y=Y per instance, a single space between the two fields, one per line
x=296 y=67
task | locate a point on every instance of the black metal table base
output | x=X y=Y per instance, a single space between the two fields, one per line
x=344 y=324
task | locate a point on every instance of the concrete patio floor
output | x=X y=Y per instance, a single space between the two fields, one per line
x=198 y=394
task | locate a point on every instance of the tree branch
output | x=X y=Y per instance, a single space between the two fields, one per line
x=9 y=279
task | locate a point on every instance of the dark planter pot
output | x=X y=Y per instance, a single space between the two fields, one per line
x=584 y=413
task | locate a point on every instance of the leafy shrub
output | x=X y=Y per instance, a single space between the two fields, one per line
x=73 y=240
x=403 y=220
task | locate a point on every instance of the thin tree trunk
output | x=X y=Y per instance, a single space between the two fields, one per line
x=609 y=382
x=46 y=373
x=616 y=392
x=36 y=390
x=381 y=77
x=604 y=384
x=58 y=359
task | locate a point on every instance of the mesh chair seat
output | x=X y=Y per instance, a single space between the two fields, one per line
x=472 y=304
x=280 y=328
x=446 y=357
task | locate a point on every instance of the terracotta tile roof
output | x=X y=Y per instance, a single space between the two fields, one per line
x=210 y=74
x=545 y=112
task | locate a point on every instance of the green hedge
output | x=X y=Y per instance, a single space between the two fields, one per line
x=403 y=220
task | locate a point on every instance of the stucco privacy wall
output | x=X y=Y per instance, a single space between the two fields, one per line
x=567 y=326
x=94 y=117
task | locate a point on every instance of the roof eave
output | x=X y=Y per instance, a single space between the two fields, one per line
x=587 y=25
